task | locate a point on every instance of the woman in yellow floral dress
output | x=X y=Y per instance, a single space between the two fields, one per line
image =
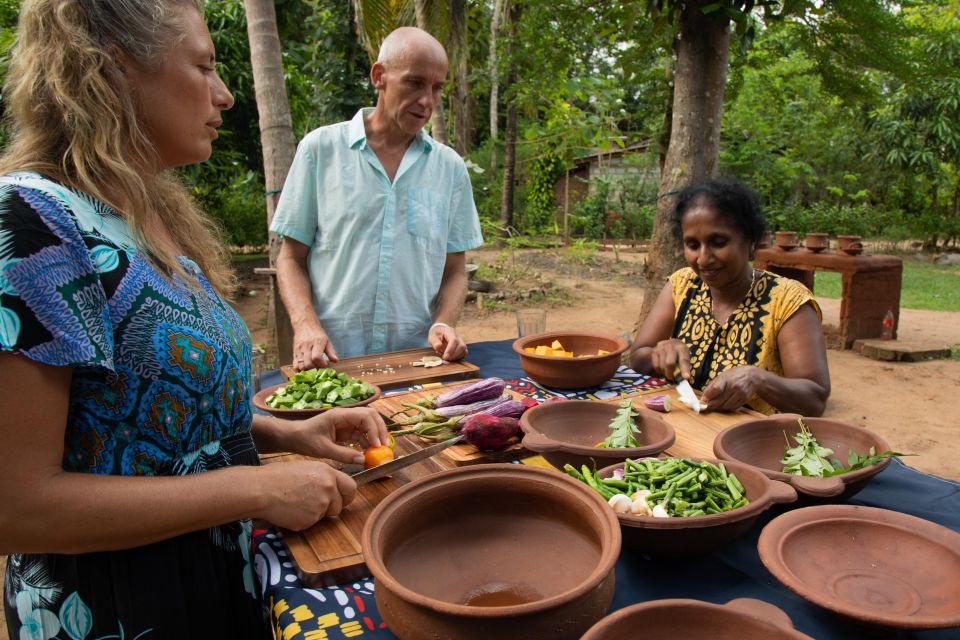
x=744 y=336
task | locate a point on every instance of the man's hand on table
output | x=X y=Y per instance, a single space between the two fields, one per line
x=445 y=341
x=311 y=349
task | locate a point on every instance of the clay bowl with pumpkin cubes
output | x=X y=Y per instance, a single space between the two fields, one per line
x=570 y=359
x=568 y=432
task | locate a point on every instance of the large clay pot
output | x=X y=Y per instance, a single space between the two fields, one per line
x=492 y=551
x=760 y=443
x=740 y=619
x=786 y=240
x=568 y=432
x=851 y=245
x=577 y=372
x=816 y=242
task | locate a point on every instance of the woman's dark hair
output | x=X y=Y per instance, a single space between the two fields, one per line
x=736 y=202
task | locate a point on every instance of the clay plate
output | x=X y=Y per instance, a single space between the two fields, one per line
x=740 y=619
x=571 y=373
x=684 y=537
x=567 y=432
x=260 y=402
x=874 y=565
x=492 y=551
x=760 y=443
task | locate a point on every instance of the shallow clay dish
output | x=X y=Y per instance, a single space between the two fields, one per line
x=760 y=443
x=567 y=433
x=492 y=551
x=260 y=402
x=874 y=565
x=683 y=537
x=571 y=373
x=740 y=619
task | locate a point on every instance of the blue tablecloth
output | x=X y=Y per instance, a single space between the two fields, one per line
x=349 y=611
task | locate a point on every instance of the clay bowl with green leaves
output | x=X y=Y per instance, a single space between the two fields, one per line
x=570 y=432
x=816 y=474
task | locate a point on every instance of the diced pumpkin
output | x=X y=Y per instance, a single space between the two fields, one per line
x=601 y=352
x=543 y=350
x=557 y=346
x=529 y=349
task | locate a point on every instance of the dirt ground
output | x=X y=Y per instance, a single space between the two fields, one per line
x=912 y=405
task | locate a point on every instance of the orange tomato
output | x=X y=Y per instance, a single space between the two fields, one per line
x=375 y=456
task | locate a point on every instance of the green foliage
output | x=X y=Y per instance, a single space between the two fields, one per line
x=582 y=251
x=541 y=199
x=620 y=208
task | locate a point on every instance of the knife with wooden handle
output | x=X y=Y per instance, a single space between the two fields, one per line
x=387 y=468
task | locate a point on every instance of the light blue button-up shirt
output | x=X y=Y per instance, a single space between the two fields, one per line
x=377 y=249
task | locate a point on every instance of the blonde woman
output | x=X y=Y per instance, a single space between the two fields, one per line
x=130 y=451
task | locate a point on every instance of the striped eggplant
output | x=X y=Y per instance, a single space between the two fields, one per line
x=486 y=389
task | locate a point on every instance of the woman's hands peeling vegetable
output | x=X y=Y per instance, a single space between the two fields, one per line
x=318 y=436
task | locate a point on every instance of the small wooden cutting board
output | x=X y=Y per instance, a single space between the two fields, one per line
x=394 y=369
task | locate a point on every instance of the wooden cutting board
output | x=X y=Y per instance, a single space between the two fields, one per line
x=394 y=369
x=458 y=454
x=695 y=431
x=329 y=553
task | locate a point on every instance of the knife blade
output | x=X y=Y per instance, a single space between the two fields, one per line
x=687 y=395
x=387 y=468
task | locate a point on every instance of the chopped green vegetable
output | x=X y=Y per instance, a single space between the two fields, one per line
x=623 y=429
x=808 y=458
x=320 y=389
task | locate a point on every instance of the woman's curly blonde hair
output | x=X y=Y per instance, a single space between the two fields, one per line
x=73 y=118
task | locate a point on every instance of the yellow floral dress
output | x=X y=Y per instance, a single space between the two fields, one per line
x=748 y=337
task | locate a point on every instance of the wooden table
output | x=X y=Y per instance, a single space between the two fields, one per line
x=871 y=285
x=329 y=552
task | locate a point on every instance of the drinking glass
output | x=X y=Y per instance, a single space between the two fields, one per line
x=530 y=321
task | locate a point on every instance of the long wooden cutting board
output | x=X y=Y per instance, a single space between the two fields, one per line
x=329 y=553
x=458 y=454
x=394 y=369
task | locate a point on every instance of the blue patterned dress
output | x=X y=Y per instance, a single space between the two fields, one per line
x=159 y=388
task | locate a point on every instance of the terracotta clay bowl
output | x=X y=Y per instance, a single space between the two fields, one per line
x=877 y=566
x=760 y=443
x=260 y=402
x=576 y=372
x=684 y=537
x=740 y=619
x=492 y=551
x=816 y=242
x=567 y=433
x=786 y=240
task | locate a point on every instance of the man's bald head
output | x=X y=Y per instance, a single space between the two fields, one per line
x=406 y=43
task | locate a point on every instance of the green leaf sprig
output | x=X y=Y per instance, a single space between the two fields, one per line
x=623 y=428
x=808 y=458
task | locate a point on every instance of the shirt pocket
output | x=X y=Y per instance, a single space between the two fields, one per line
x=427 y=219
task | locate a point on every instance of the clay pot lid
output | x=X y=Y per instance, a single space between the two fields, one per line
x=760 y=443
x=260 y=402
x=874 y=565
x=449 y=484
x=576 y=426
x=742 y=619
x=761 y=491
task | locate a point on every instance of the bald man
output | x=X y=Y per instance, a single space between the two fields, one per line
x=375 y=218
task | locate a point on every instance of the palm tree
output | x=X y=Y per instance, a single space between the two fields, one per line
x=276 y=138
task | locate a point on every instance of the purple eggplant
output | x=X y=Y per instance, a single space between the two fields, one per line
x=485 y=389
x=467 y=409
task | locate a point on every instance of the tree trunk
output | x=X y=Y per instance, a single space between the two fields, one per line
x=498 y=7
x=701 y=69
x=461 y=87
x=510 y=135
x=276 y=138
x=663 y=141
x=438 y=125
